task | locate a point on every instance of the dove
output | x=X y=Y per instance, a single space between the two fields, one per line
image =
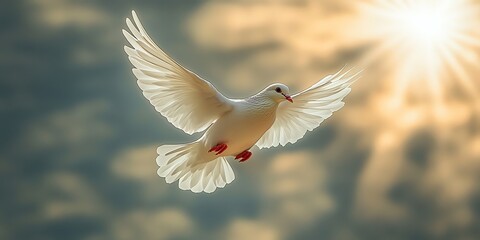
x=231 y=127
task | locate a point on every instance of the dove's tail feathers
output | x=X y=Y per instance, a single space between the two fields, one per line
x=181 y=162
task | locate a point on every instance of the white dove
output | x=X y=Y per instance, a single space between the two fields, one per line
x=269 y=118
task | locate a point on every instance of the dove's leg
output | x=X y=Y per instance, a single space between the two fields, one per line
x=244 y=156
x=219 y=148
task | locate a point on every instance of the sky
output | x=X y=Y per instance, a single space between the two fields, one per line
x=401 y=160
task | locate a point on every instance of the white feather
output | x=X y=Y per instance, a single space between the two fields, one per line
x=177 y=162
x=308 y=110
x=193 y=103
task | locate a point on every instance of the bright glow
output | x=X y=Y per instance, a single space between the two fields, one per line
x=423 y=41
x=424 y=25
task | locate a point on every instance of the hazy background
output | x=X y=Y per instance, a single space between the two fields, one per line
x=401 y=160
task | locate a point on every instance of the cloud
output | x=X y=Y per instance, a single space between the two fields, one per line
x=451 y=182
x=301 y=44
x=167 y=223
x=137 y=164
x=309 y=27
x=89 y=33
x=294 y=197
x=68 y=195
x=80 y=126
x=58 y=14
x=295 y=192
x=421 y=166
x=60 y=199
x=240 y=229
x=383 y=171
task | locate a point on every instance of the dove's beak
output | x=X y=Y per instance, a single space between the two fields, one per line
x=288 y=98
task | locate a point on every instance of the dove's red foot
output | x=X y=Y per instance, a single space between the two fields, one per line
x=244 y=156
x=219 y=148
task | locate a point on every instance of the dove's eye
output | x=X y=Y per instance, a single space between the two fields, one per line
x=278 y=90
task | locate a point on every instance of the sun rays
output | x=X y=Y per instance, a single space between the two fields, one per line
x=428 y=45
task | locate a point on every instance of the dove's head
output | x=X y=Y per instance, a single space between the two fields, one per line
x=278 y=92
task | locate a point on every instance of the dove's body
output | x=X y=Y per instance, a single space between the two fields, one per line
x=232 y=126
x=241 y=127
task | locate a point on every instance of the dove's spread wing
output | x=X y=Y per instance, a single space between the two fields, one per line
x=309 y=108
x=187 y=101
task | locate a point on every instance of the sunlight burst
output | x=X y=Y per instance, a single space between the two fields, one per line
x=424 y=42
x=423 y=25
